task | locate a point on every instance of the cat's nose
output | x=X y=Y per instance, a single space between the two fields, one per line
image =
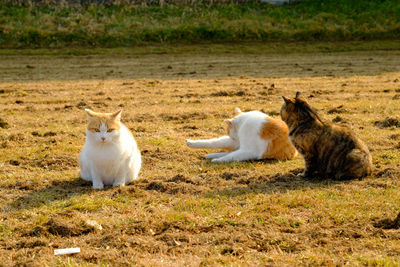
x=102 y=139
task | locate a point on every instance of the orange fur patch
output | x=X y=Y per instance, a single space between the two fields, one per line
x=277 y=132
x=229 y=126
x=95 y=120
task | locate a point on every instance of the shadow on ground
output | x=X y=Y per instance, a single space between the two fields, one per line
x=281 y=182
x=58 y=191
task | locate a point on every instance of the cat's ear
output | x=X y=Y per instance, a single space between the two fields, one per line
x=298 y=94
x=287 y=100
x=228 y=123
x=117 y=115
x=89 y=113
x=237 y=111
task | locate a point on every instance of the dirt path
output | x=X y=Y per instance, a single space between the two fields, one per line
x=121 y=67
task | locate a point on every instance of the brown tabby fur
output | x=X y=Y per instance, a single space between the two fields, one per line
x=329 y=151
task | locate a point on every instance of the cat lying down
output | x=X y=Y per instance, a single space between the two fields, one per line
x=251 y=136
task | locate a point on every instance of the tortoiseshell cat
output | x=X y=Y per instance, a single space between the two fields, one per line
x=329 y=151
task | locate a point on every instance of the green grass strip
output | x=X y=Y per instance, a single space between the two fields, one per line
x=46 y=26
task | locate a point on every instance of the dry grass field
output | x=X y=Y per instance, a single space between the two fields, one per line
x=185 y=211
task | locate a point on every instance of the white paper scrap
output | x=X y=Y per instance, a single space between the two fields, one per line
x=64 y=251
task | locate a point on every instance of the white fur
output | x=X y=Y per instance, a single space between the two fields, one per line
x=244 y=139
x=115 y=161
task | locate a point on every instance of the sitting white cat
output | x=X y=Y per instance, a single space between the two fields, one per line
x=251 y=136
x=110 y=155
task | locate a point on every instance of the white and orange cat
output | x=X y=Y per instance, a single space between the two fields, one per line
x=251 y=135
x=110 y=155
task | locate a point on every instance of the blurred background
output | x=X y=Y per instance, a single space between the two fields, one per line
x=126 y=23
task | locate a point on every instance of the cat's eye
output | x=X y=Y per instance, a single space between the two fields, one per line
x=97 y=130
x=110 y=130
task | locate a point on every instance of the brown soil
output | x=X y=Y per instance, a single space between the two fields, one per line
x=388 y=223
x=388 y=122
x=3 y=124
x=63 y=228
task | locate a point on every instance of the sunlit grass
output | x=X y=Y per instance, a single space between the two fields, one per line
x=185 y=210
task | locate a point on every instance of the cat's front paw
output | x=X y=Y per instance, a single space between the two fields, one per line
x=304 y=174
x=118 y=184
x=85 y=175
x=98 y=185
x=189 y=142
x=210 y=156
x=301 y=174
x=219 y=160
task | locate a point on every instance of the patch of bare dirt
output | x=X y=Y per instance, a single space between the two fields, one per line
x=173 y=186
x=338 y=119
x=49 y=162
x=14 y=162
x=31 y=243
x=271 y=112
x=189 y=95
x=394 y=137
x=64 y=228
x=337 y=110
x=229 y=175
x=27 y=243
x=16 y=137
x=3 y=124
x=141 y=118
x=45 y=134
x=388 y=122
x=228 y=93
x=389 y=223
x=155 y=155
x=321 y=92
x=183 y=117
x=388 y=172
x=236 y=176
x=179 y=178
x=25 y=185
